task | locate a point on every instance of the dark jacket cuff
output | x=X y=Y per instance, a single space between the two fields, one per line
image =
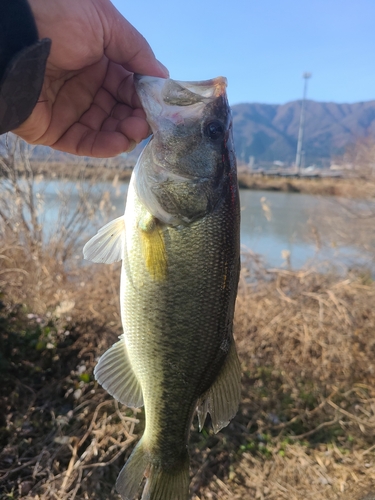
x=22 y=63
x=22 y=83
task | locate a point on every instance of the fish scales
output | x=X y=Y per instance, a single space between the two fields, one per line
x=178 y=333
x=180 y=252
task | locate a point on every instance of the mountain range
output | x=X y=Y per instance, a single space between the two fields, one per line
x=269 y=132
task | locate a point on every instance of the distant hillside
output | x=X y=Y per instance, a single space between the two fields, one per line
x=269 y=131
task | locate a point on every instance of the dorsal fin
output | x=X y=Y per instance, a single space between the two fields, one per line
x=106 y=246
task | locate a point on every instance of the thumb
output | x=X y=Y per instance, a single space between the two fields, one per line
x=124 y=45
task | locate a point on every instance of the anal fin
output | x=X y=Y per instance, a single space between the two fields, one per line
x=115 y=374
x=222 y=398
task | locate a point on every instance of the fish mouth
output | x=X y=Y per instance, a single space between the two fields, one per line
x=174 y=100
x=212 y=88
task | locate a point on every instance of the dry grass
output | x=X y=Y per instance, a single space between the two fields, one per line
x=307 y=345
x=355 y=187
x=358 y=183
x=306 y=424
x=106 y=170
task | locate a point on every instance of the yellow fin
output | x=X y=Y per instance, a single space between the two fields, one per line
x=153 y=247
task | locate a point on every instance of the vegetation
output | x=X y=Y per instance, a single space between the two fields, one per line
x=353 y=187
x=359 y=182
x=305 y=427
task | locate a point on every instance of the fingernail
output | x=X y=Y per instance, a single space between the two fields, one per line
x=132 y=145
x=163 y=69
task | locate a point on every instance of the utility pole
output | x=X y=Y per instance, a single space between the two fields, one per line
x=305 y=76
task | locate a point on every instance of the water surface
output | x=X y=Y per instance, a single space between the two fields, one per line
x=282 y=227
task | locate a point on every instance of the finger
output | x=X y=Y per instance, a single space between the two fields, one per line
x=110 y=125
x=119 y=83
x=82 y=141
x=122 y=111
x=113 y=138
x=73 y=100
x=142 y=130
x=135 y=128
x=94 y=118
x=106 y=114
x=104 y=106
x=104 y=100
x=125 y=45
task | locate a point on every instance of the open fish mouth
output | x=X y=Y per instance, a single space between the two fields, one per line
x=166 y=98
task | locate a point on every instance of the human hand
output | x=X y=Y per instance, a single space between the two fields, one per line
x=88 y=104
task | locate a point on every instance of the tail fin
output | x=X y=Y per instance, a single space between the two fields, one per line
x=131 y=475
x=161 y=484
x=167 y=484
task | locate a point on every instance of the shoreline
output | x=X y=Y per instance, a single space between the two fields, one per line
x=354 y=188
x=342 y=187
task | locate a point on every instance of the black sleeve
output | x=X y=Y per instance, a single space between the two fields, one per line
x=22 y=63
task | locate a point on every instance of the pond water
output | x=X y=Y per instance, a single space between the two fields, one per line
x=282 y=227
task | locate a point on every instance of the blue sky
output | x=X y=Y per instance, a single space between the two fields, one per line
x=264 y=46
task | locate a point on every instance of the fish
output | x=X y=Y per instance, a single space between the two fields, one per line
x=180 y=249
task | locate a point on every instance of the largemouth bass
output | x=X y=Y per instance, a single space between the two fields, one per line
x=179 y=245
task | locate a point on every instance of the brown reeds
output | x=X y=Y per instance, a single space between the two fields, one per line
x=353 y=187
x=357 y=182
x=307 y=345
x=306 y=424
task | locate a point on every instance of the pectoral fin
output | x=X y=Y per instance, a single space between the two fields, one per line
x=106 y=246
x=153 y=247
x=115 y=374
x=222 y=398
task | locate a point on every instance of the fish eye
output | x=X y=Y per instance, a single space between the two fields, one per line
x=214 y=130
